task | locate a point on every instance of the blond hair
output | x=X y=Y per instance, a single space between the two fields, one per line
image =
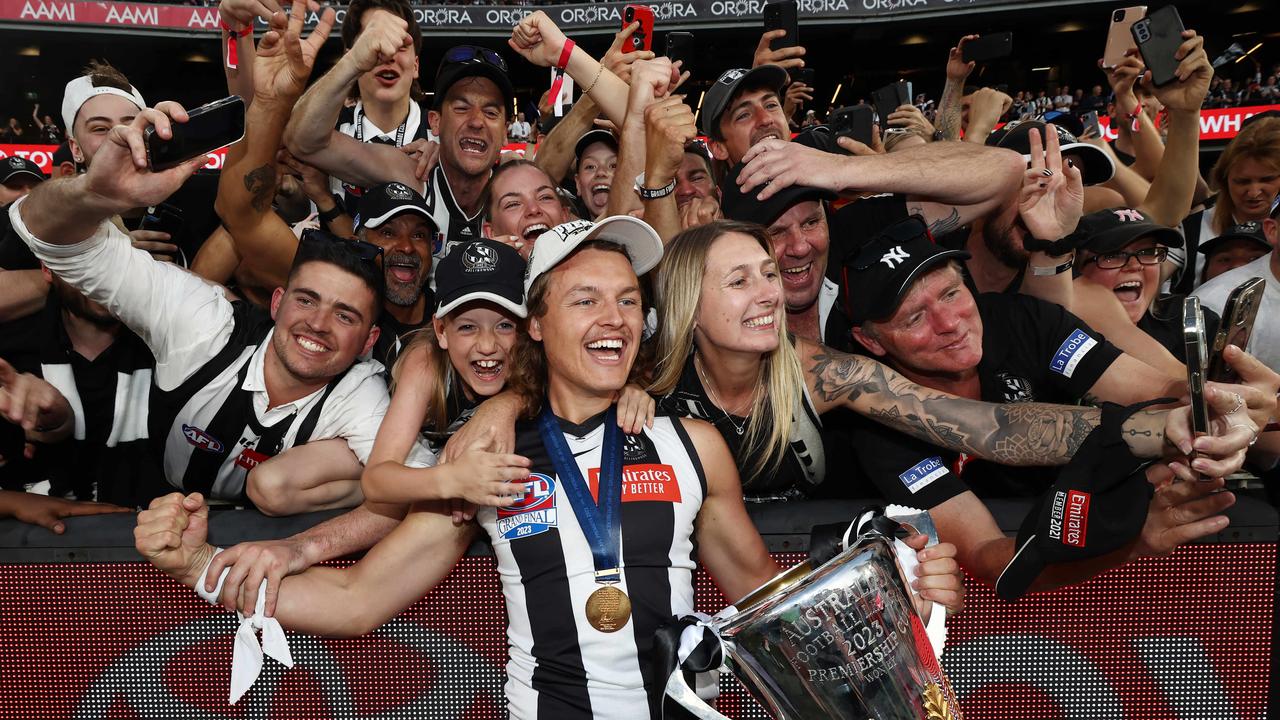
x=780 y=380
x=1259 y=141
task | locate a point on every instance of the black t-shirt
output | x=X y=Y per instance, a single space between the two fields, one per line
x=1032 y=351
x=392 y=338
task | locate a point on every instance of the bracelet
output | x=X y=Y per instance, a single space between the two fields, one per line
x=599 y=72
x=233 y=54
x=653 y=193
x=565 y=53
x=333 y=213
x=1041 y=271
x=1134 y=125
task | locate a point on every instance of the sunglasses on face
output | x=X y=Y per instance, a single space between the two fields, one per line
x=365 y=251
x=471 y=54
x=1120 y=258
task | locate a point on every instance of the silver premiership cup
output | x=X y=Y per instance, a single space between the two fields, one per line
x=842 y=641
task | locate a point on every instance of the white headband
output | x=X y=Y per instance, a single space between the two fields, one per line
x=81 y=90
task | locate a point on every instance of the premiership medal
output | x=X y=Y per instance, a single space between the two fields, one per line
x=608 y=609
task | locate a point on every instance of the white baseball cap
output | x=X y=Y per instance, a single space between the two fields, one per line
x=81 y=90
x=641 y=242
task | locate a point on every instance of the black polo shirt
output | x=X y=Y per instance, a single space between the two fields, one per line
x=1032 y=351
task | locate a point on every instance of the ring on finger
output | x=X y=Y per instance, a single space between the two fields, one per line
x=1239 y=404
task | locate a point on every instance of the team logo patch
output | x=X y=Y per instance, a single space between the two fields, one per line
x=478 y=257
x=533 y=514
x=642 y=483
x=730 y=76
x=1071 y=352
x=633 y=447
x=201 y=439
x=437 y=244
x=919 y=476
x=396 y=191
x=1014 y=388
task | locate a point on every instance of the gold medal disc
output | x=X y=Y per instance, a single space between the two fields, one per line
x=608 y=609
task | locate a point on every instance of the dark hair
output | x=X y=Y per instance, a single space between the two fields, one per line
x=103 y=74
x=352 y=25
x=332 y=250
x=486 y=196
x=715 y=133
x=528 y=376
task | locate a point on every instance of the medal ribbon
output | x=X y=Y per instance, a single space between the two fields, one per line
x=601 y=520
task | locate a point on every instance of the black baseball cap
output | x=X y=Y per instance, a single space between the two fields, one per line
x=464 y=61
x=15 y=169
x=877 y=278
x=1097 y=505
x=737 y=205
x=773 y=77
x=480 y=270
x=1107 y=231
x=1095 y=165
x=1248 y=231
x=594 y=136
x=383 y=202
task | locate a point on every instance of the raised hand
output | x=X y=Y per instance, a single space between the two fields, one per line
x=789 y=57
x=909 y=118
x=1231 y=432
x=537 y=39
x=1122 y=78
x=284 y=60
x=669 y=127
x=957 y=69
x=1187 y=92
x=1052 y=197
x=31 y=402
x=120 y=178
x=796 y=96
x=239 y=14
x=171 y=535
x=382 y=36
x=619 y=62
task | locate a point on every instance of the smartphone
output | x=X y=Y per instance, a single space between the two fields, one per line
x=782 y=16
x=1089 y=121
x=1158 y=36
x=642 y=38
x=1119 y=41
x=163 y=218
x=805 y=76
x=1238 y=315
x=680 y=47
x=887 y=99
x=988 y=47
x=208 y=128
x=1197 y=362
x=853 y=122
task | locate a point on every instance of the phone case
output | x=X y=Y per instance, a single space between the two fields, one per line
x=1238 y=316
x=853 y=122
x=208 y=127
x=642 y=38
x=782 y=16
x=989 y=47
x=1158 y=37
x=1119 y=40
x=1197 y=360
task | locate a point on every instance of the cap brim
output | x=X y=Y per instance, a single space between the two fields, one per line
x=594 y=136
x=517 y=309
x=19 y=173
x=774 y=76
x=1098 y=166
x=378 y=220
x=641 y=241
x=930 y=263
x=474 y=69
x=1021 y=572
x=1212 y=245
x=1117 y=237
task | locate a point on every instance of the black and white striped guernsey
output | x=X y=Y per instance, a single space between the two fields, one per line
x=561 y=668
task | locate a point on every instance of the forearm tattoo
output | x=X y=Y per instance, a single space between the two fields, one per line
x=1014 y=434
x=261 y=184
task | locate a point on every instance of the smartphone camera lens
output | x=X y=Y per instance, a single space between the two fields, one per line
x=1117 y=16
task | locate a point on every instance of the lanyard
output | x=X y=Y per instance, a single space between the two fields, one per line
x=602 y=522
x=359 y=122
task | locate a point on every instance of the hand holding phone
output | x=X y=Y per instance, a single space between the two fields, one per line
x=987 y=47
x=680 y=49
x=642 y=38
x=207 y=128
x=1119 y=41
x=1238 y=315
x=1158 y=36
x=1197 y=362
x=782 y=15
x=853 y=122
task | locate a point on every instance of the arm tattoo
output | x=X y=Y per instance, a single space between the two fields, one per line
x=948 y=117
x=1015 y=434
x=261 y=184
x=941 y=227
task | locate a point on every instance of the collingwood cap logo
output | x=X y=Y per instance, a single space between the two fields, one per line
x=396 y=191
x=730 y=76
x=478 y=257
x=15 y=162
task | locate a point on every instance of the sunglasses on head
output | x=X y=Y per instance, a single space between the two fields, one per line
x=365 y=251
x=471 y=54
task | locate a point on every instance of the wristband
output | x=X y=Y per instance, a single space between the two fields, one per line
x=1040 y=271
x=653 y=193
x=1134 y=125
x=233 y=55
x=333 y=213
x=563 y=63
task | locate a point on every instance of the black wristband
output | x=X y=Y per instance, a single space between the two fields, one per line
x=333 y=213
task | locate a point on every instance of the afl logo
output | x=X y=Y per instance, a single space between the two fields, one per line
x=478 y=257
x=201 y=439
x=541 y=495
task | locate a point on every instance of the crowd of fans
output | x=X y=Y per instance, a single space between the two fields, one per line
x=394 y=316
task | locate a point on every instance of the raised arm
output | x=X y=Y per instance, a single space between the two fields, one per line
x=248 y=181
x=669 y=126
x=949 y=184
x=555 y=153
x=650 y=83
x=948 y=117
x=1174 y=184
x=539 y=41
x=310 y=134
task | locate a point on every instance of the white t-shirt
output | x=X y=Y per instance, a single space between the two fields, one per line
x=1264 y=344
